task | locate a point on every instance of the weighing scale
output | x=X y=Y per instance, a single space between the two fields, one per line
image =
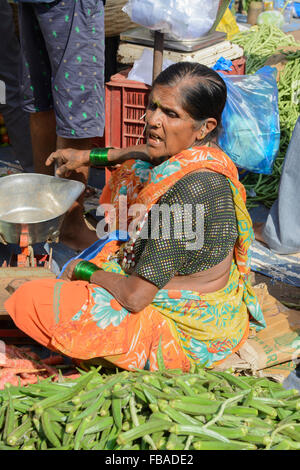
x=32 y=209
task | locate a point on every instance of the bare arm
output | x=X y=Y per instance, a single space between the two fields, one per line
x=68 y=160
x=132 y=292
x=135 y=152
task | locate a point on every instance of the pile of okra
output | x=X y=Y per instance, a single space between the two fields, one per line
x=142 y=410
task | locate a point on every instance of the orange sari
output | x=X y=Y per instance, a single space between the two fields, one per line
x=84 y=321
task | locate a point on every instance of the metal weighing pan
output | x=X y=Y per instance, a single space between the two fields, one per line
x=35 y=204
x=145 y=37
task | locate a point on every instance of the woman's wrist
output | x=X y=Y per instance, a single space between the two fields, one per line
x=84 y=157
x=99 y=156
x=110 y=156
x=83 y=270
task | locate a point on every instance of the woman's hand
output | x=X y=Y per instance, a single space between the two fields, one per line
x=15 y=284
x=68 y=274
x=68 y=160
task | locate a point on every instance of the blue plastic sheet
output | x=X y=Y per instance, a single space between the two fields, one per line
x=251 y=128
x=90 y=252
x=223 y=64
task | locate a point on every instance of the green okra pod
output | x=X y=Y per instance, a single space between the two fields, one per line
x=10 y=419
x=283 y=445
x=56 y=399
x=103 y=439
x=116 y=407
x=48 y=430
x=160 y=358
x=93 y=408
x=105 y=407
x=29 y=444
x=263 y=408
x=241 y=411
x=99 y=424
x=195 y=409
x=232 y=379
x=81 y=431
x=2 y=414
x=198 y=431
x=228 y=432
x=18 y=434
x=56 y=415
x=215 y=445
x=176 y=416
x=142 y=430
x=279 y=394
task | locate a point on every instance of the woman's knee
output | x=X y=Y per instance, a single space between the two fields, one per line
x=24 y=300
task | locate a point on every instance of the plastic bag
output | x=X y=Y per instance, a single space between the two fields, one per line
x=296 y=10
x=251 y=128
x=228 y=24
x=143 y=67
x=272 y=18
x=223 y=64
x=180 y=19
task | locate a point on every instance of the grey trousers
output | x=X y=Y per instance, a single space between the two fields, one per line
x=16 y=120
x=282 y=228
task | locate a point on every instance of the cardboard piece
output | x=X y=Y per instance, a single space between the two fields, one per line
x=279 y=59
x=274 y=351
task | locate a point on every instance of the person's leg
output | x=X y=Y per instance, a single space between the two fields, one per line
x=281 y=231
x=72 y=319
x=35 y=307
x=43 y=136
x=74 y=231
x=16 y=120
x=74 y=36
x=18 y=128
x=36 y=95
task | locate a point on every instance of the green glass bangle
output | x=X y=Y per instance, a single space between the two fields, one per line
x=98 y=156
x=84 y=270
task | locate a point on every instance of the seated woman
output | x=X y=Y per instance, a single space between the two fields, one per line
x=182 y=281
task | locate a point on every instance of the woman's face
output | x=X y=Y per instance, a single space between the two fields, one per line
x=169 y=129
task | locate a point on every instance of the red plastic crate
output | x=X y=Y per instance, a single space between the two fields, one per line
x=125 y=106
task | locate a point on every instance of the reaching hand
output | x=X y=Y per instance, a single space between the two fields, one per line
x=68 y=160
x=15 y=284
x=68 y=274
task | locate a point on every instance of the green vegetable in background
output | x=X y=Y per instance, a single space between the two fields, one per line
x=259 y=44
x=272 y=18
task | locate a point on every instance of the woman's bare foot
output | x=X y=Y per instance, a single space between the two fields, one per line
x=80 y=238
x=75 y=232
x=258 y=232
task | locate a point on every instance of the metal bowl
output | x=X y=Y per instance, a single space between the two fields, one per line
x=35 y=204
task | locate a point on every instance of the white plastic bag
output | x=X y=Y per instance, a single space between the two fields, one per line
x=181 y=19
x=143 y=67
